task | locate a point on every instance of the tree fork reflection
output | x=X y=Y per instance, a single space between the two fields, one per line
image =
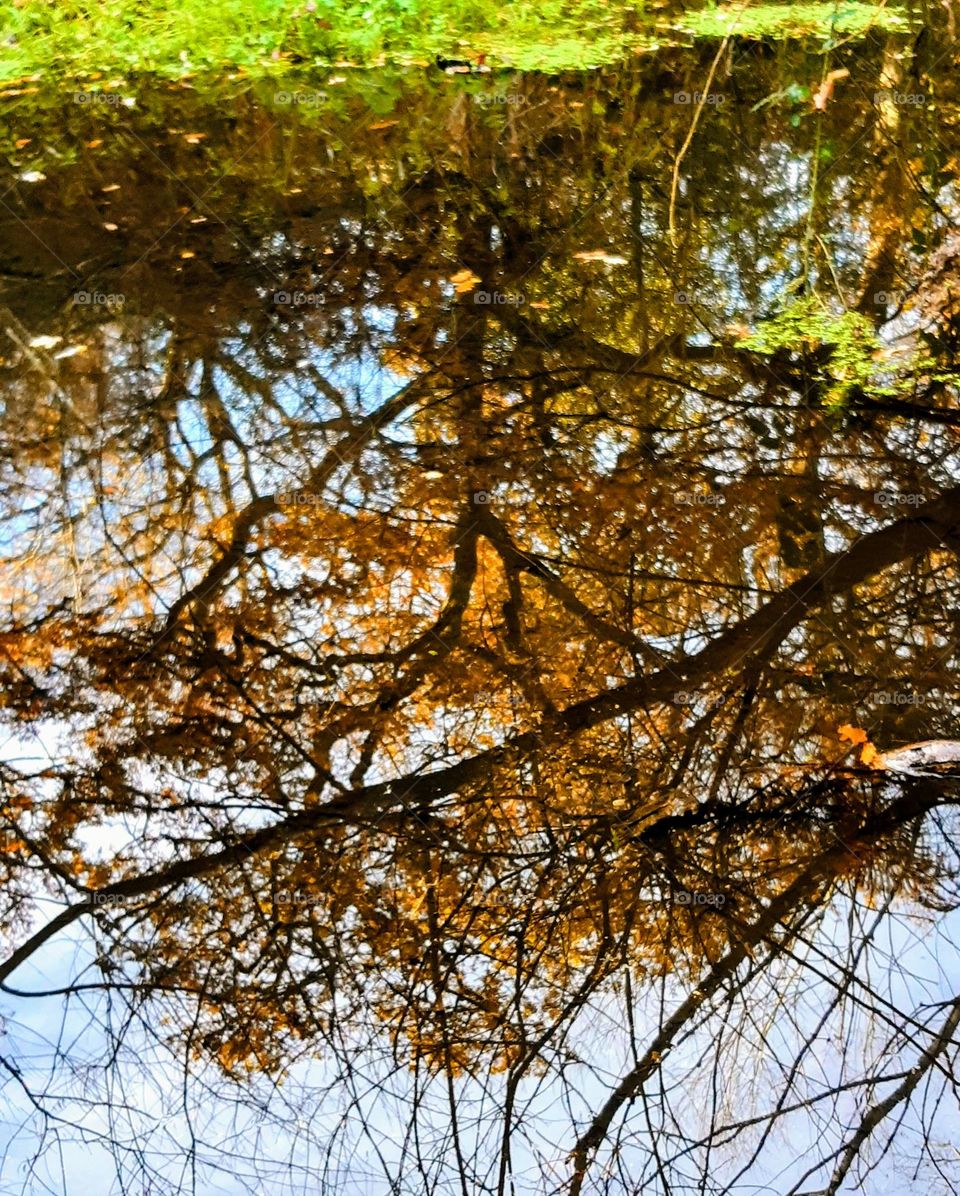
x=935 y=525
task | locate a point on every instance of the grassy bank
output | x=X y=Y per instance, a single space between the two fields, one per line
x=83 y=37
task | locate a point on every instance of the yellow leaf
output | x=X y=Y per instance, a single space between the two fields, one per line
x=464 y=280
x=870 y=757
x=852 y=734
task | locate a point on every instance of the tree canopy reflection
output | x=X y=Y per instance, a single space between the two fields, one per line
x=432 y=596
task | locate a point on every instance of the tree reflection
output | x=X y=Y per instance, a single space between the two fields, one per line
x=442 y=591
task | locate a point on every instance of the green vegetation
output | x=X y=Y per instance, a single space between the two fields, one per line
x=843 y=346
x=263 y=35
x=84 y=37
x=823 y=21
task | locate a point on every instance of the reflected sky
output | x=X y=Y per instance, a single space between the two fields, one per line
x=465 y=544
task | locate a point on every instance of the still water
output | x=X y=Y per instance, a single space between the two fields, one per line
x=468 y=543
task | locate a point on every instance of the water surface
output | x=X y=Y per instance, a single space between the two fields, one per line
x=466 y=542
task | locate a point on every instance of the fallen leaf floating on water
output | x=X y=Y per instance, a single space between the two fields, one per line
x=464 y=280
x=110 y=226
x=926 y=758
x=45 y=342
x=69 y=351
x=601 y=255
x=824 y=92
x=869 y=756
x=32 y=176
